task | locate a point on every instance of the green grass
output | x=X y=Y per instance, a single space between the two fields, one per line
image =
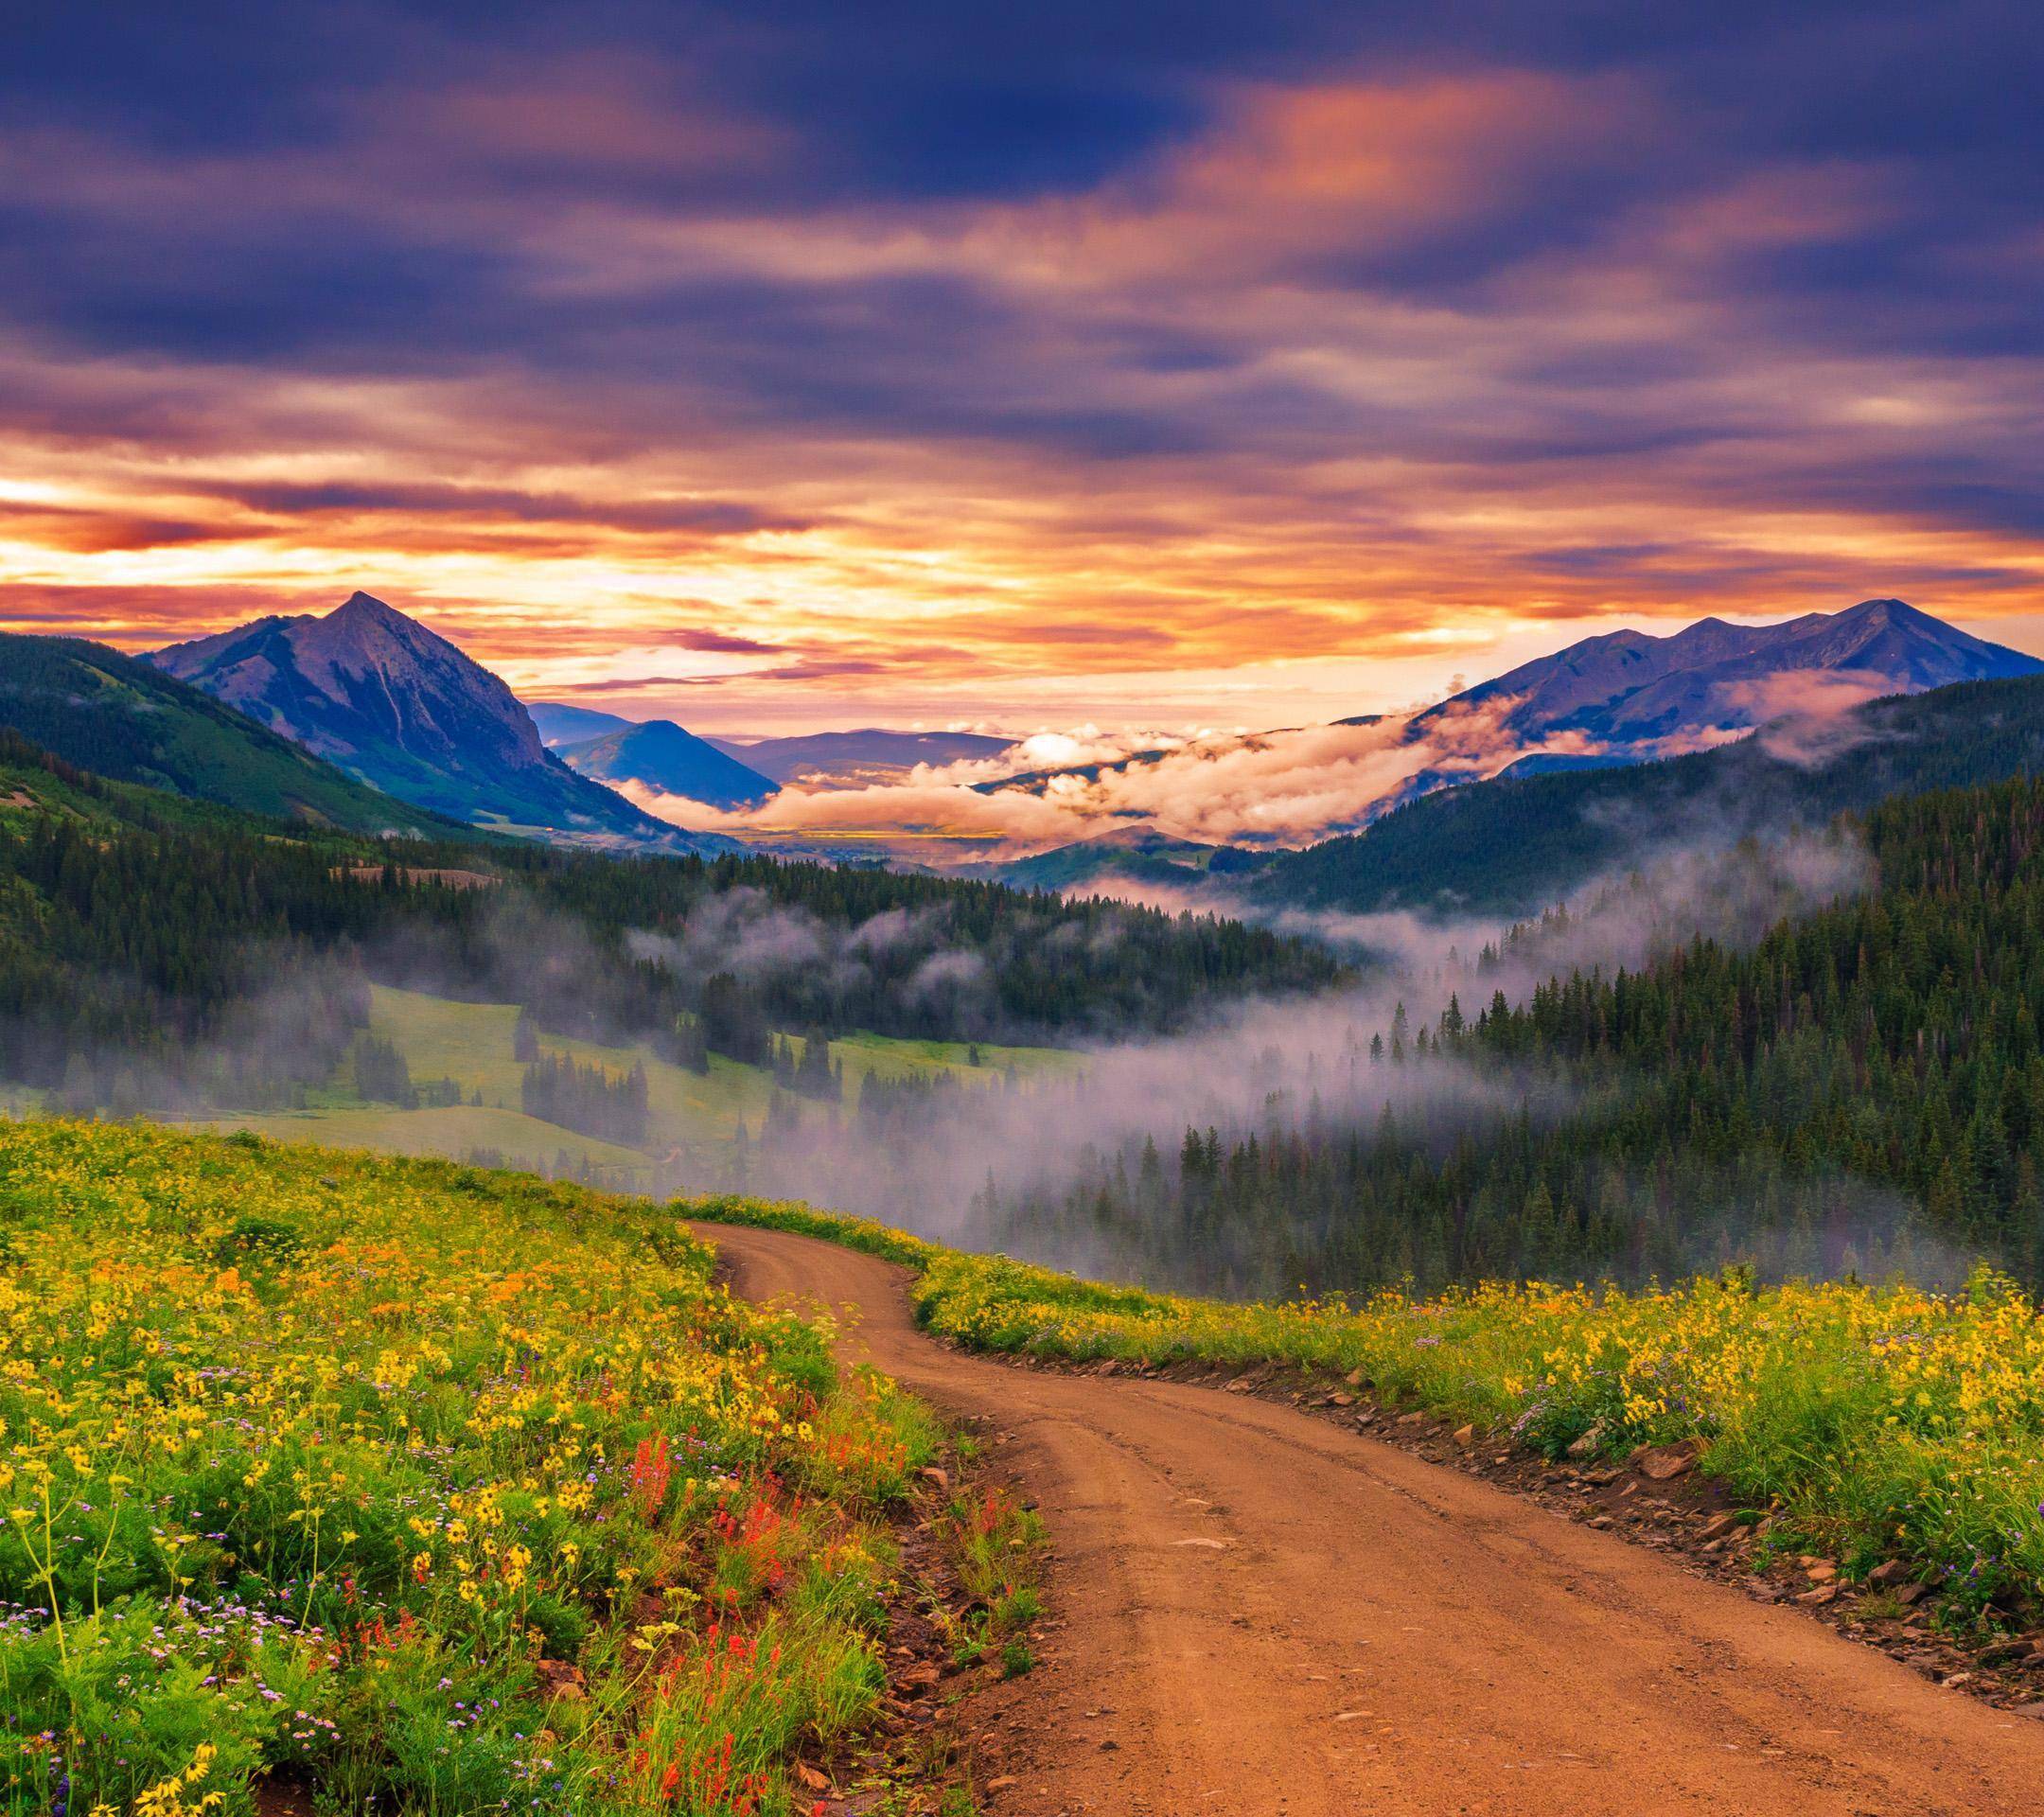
x=452 y=1133
x=893 y=1058
x=471 y=1044
x=998 y=1547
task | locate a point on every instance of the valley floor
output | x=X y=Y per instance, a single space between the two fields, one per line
x=1266 y=1614
x=471 y=1044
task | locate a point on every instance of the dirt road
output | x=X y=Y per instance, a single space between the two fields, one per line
x=1271 y=1614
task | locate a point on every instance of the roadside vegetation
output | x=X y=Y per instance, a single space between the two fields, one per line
x=996 y=1544
x=419 y=1487
x=1877 y=1422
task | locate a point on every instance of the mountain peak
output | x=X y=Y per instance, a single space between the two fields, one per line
x=1651 y=694
x=1892 y=611
x=363 y=616
x=398 y=706
x=661 y=755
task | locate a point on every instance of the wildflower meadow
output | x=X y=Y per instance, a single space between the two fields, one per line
x=417 y=1488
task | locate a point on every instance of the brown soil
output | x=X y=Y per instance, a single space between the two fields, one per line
x=1256 y=1611
x=282 y=1798
x=916 y=1751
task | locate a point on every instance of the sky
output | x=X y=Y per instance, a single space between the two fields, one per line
x=1140 y=363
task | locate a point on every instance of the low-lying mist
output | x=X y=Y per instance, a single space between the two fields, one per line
x=1335 y=1138
x=1278 y=1144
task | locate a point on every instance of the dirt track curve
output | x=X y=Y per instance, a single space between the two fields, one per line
x=1273 y=1614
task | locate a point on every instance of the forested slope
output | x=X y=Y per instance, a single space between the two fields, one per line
x=1864 y=1088
x=229 y=956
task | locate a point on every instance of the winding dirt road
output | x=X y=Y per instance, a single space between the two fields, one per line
x=1266 y=1614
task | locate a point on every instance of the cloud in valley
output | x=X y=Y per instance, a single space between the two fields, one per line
x=1808 y=716
x=1280 y=789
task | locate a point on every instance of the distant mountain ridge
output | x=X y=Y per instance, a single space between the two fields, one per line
x=816 y=759
x=561 y=723
x=402 y=709
x=1514 y=846
x=659 y=754
x=873 y=753
x=1626 y=690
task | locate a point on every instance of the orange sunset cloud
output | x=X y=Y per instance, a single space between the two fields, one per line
x=1359 y=379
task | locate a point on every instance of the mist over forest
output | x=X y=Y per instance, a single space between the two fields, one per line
x=1769 y=1007
x=1736 y=1054
x=1443 y=1116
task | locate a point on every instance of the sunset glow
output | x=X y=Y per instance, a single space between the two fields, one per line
x=790 y=372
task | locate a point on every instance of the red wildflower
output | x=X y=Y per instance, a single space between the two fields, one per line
x=651 y=1469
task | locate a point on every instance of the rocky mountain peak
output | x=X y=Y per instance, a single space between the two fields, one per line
x=397 y=705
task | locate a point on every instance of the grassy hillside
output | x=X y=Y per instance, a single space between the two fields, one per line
x=456 y=1133
x=470 y=1042
x=888 y=1057
x=37 y=785
x=123 y=720
x=432 y=1490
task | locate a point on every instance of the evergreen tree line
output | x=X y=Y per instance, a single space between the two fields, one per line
x=915 y=955
x=147 y=968
x=1862 y=1088
x=588 y=1098
x=805 y=1068
x=382 y=1076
